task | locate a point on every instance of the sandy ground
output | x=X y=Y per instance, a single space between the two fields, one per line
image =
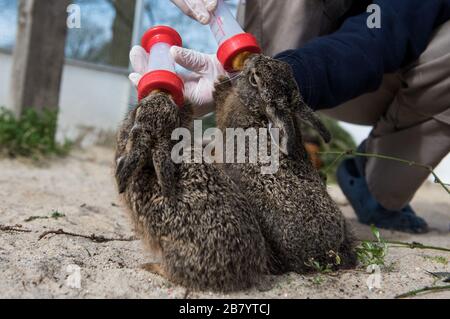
x=81 y=188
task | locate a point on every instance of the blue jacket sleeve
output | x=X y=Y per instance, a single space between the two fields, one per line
x=336 y=68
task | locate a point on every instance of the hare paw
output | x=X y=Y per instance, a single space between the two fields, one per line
x=154 y=268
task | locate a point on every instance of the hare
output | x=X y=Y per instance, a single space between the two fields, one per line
x=191 y=214
x=300 y=221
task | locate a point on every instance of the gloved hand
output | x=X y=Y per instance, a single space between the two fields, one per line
x=198 y=85
x=139 y=62
x=199 y=10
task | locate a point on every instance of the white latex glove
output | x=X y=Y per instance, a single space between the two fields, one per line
x=198 y=85
x=139 y=61
x=199 y=10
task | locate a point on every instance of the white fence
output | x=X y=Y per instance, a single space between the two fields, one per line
x=93 y=98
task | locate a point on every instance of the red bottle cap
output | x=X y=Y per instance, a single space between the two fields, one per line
x=160 y=34
x=162 y=80
x=244 y=42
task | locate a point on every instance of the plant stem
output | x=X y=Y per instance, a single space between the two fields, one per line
x=437 y=180
x=15 y=228
x=425 y=289
x=337 y=159
x=415 y=245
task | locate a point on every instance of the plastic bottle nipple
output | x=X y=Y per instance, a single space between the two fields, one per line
x=235 y=46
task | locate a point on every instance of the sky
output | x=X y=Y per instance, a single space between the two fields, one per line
x=98 y=15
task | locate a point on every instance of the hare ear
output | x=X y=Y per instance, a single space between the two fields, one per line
x=164 y=168
x=305 y=113
x=125 y=167
x=280 y=117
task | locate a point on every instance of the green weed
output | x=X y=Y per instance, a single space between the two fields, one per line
x=32 y=135
x=54 y=215
x=372 y=252
x=437 y=259
x=323 y=269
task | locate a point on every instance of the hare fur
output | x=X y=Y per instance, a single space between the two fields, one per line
x=191 y=214
x=300 y=221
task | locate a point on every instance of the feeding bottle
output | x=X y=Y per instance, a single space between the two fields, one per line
x=161 y=75
x=235 y=45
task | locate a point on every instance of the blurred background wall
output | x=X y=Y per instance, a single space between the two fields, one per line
x=95 y=91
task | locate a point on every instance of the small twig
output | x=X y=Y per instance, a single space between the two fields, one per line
x=93 y=237
x=16 y=228
x=187 y=293
x=55 y=215
x=32 y=218
x=430 y=169
x=327 y=170
x=413 y=245
x=444 y=276
x=416 y=245
x=422 y=290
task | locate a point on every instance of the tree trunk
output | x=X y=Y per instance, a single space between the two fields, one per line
x=39 y=54
x=122 y=32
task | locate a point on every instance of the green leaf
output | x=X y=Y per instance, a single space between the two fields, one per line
x=31 y=135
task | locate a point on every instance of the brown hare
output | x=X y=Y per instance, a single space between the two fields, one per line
x=192 y=214
x=300 y=221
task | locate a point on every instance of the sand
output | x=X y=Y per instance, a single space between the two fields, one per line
x=82 y=188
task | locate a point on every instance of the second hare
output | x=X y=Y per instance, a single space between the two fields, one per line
x=300 y=221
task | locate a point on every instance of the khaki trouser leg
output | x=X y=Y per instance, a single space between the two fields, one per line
x=416 y=126
x=280 y=25
x=411 y=118
x=410 y=112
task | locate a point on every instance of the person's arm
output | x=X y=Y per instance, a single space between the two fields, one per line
x=336 y=68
